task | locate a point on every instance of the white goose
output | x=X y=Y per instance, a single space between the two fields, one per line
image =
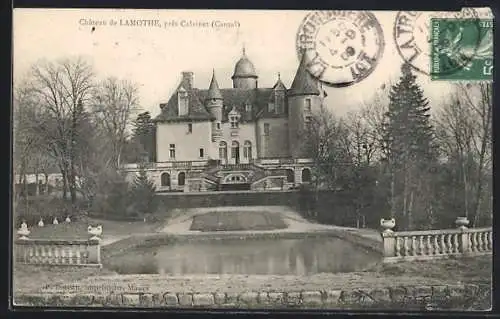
x=55 y=222
x=68 y=220
x=40 y=223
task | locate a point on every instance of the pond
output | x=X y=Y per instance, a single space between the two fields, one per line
x=251 y=256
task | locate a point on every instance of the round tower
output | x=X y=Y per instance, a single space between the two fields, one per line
x=244 y=76
x=304 y=100
x=214 y=102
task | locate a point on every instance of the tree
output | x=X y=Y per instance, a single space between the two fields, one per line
x=113 y=103
x=62 y=88
x=142 y=194
x=465 y=134
x=144 y=136
x=326 y=138
x=409 y=147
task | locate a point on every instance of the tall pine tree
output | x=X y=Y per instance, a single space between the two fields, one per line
x=143 y=194
x=144 y=135
x=409 y=149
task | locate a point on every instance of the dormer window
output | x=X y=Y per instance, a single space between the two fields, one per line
x=280 y=102
x=182 y=96
x=270 y=107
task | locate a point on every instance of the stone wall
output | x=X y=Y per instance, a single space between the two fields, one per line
x=458 y=297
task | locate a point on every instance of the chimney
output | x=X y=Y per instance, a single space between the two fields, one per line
x=187 y=80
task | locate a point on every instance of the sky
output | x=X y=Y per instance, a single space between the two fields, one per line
x=155 y=56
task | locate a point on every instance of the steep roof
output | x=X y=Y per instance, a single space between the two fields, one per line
x=304 y=83
x=237 y=98
x=196 y=111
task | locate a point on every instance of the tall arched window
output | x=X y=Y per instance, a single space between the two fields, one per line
x=223 y=150
x=306 y=175
x=235 y=151
x=165 y=179
x=181 y=179
x=247 y=150
x=290 y=176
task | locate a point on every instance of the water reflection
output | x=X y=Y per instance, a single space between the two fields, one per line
x=281 y=257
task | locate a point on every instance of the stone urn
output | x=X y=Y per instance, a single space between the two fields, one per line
x=462 y=222
x=387 y=224
x=95 y=232
x=23 y=231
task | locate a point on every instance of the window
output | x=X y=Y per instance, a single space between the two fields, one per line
x=270 y=107
x=234 y=121
x=181 y=179
x=218 y=125
x=308 y=122
x=202 y=151
x=165 y=179
x=235 y=149
x=306 y=175
x=266 y=129
x=308 y=105
x=248 y=107
x=222 y=150
x=290 y=176
x=247 y=150
x=190 y=128
x=172 y=150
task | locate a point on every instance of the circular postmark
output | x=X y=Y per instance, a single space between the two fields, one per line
x=340 y=48
x=416 y=38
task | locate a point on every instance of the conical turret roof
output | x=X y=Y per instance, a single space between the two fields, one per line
x=304 y=83
x=213 y=90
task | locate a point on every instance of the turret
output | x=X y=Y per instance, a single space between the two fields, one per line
x=244 y=76
x=304 y=99
x=214 y=102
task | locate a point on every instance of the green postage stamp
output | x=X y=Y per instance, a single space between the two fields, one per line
x=461 y=49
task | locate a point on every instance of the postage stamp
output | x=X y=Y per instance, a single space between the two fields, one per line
x=462 y=49
x=341 y=47
x=412 y=35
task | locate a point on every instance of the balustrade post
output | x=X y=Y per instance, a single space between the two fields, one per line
x=94 y=252
x=464 y=241
x=389 y=240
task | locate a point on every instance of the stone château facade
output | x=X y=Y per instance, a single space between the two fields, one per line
x=239 y=138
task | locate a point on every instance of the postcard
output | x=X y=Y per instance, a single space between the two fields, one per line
x=252 y=159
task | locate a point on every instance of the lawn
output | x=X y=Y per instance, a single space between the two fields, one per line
x=237 y=221
x=78 y=229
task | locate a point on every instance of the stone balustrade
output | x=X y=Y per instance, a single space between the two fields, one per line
x=58 y=252
x=429 y=244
